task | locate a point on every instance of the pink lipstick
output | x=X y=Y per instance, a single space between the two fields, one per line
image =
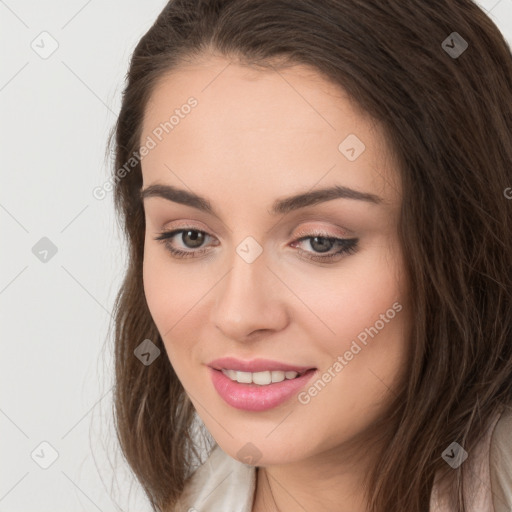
x=261 y=396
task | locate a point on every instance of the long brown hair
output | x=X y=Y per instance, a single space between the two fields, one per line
x=448 y=120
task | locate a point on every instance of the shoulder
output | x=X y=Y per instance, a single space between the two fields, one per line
x=500 y=461
x=488 y=479
x=221 y=483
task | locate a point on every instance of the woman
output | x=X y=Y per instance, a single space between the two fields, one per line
x=315 y=199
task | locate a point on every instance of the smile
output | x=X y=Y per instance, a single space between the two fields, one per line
x=258 y=392
x=261 y=378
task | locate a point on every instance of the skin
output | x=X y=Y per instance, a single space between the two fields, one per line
x=256 y=136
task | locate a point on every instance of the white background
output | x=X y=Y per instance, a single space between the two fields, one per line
x=56 y=367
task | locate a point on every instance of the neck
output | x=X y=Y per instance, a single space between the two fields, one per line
x=332 y=482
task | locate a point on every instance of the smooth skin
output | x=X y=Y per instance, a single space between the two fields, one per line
x=256 y=136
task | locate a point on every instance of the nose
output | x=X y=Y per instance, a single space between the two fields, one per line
x=249 y=300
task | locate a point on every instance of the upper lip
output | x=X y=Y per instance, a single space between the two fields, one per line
x=255 y=365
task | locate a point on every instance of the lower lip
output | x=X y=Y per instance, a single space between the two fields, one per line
x=253 y=397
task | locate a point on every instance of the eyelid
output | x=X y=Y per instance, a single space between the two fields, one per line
x=186 y=224
x=319 y=231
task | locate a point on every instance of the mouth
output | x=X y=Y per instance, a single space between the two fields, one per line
x=259 y=391
x=263 y=378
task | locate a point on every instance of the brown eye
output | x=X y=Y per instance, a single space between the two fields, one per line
x=324 y=244
x=192 y=238
x=321 y=243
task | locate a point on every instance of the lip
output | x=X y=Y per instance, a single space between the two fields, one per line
x=256 y=398
x=255 y=365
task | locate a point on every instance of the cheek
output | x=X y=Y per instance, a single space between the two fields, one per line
x=157 y=286
x=175 y=296
x=353 y=297
x=362 y=330
x=355 y=386
x=166 y=295
x=170 y=288
x=367 y=357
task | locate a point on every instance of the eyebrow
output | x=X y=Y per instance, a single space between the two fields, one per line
x=279 y=207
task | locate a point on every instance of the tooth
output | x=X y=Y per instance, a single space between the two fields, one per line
x=230 y=373
x=244 y=377
x=277 y=376
x=261 y=378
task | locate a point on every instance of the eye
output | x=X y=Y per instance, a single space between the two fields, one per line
x=321 y=244
x=191 y=238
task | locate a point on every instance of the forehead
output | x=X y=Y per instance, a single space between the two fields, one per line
x=265 y=128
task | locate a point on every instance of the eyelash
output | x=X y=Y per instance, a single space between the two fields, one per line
x=348 y=245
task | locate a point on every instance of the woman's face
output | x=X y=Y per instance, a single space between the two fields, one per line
x=252 y=283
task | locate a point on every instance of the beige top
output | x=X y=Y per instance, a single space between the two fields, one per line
x=226 y=484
